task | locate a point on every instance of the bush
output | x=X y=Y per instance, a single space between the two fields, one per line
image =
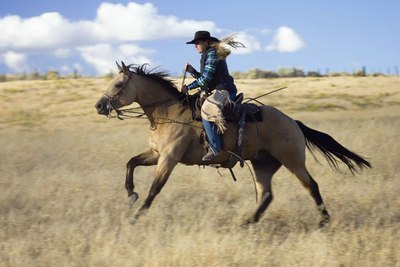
x=255 y=74
x=358 y=73
x=290 y=72
x=52 y=75
x=314 y=74
x=336 y=74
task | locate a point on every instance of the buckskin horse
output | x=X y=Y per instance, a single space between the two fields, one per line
x=174 y=138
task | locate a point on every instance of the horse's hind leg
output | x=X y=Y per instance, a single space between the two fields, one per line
x=147 y=158
x=311 y=185
x=264 y=167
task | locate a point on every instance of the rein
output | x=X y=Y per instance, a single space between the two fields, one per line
x=184 y=76
x=122 y=113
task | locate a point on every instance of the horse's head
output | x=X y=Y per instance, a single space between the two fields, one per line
x=117 y=95
x=134 y=83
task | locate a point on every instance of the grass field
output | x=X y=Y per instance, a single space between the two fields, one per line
x=63 y=201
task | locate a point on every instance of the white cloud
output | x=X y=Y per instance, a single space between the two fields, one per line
x=114 y=22
x=135 y=22
x=103 y=56
x=113 y=25
x=47 y=31
x=286 y=40
x=16 y=61
x=114 y=34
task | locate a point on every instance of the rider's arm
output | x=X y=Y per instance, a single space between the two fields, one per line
x=208 y=72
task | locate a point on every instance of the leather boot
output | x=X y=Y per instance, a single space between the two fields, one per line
x=209 y=156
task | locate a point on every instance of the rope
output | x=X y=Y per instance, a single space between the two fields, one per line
x=255 y=98
x=251 y=172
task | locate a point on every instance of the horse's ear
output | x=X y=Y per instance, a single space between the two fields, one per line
x=125 y=69
x=119 y=66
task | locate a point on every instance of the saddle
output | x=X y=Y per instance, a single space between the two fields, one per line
x=239 y=113
x=232 y=113
x=248 y=112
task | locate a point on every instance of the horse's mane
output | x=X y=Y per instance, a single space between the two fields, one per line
x=159 y=76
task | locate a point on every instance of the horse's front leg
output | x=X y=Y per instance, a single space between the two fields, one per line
x=166 y=164
x=148 y=158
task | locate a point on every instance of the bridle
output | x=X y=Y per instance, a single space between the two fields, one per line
x=122 y=91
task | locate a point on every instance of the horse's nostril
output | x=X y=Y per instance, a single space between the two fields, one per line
x=99 y=106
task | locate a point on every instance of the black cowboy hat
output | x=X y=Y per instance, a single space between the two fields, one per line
x=202 y=35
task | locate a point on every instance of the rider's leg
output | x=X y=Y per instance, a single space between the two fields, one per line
x=213 y=140
x=232 y=95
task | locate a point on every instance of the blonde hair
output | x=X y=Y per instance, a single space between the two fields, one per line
x=222 y=46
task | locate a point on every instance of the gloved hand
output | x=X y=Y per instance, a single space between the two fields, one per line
x=184 y=89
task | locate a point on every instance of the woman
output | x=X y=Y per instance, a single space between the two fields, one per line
x=213 y=75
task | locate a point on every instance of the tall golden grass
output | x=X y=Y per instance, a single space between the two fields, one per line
x=63 y=202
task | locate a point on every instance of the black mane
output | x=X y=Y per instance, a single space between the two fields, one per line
x=160 y=77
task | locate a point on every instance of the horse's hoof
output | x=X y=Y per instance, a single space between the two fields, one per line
x=133 y=198
x=133 y=220
x=248 y=222
x=324 y=223
x=245 y=225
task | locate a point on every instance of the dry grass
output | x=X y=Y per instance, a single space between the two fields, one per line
x=63 y=203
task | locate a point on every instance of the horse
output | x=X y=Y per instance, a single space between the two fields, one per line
x=174 y=137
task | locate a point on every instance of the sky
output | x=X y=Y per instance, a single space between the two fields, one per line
x=90 y=36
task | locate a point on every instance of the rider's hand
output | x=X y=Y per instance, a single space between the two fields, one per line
x=184 y=89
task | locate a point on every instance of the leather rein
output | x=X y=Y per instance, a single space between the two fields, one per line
x=121 y=113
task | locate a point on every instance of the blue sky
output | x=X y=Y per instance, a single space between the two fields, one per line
x=91 y=35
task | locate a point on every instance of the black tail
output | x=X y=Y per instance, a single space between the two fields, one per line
x=330 y=148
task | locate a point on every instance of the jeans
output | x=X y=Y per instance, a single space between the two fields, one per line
x=213 y=137
x=212 y=131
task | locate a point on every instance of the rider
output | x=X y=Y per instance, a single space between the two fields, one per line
x=213 y=74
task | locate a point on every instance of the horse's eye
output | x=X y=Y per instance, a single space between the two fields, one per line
x=119 y=85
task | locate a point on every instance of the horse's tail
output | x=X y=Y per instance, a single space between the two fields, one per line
x=330 y=148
